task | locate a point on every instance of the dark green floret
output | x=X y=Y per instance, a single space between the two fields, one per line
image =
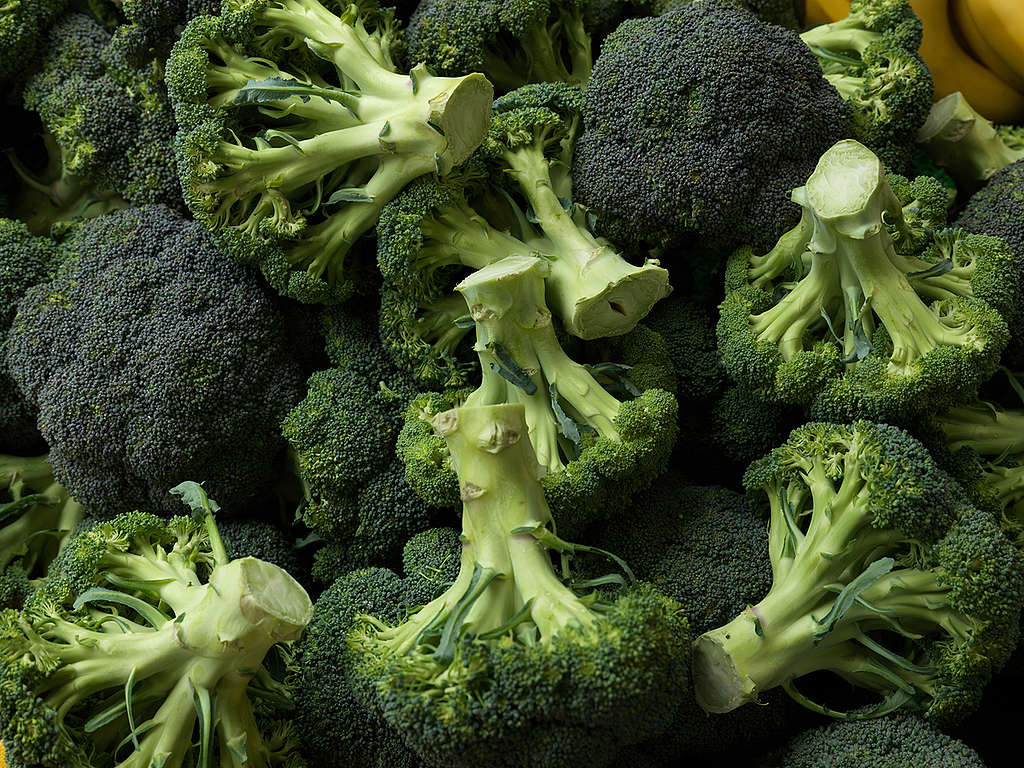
x=838 y=316
x=511 y=666
x=881 y=575
x=296 y=130
x=147 y=641
x=22 y=28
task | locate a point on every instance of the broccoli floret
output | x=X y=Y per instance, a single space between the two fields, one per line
x=288 y=158
x=745 y=425
x=686 y=139
x=899 y=740
x=881 y=575
x=967 y=145
x=153 y=358
x=343 y=436
x=22 y=28
x=143 y=641
x=430 y=562
x=36 y=516
x=264 y=541
x=838 y=317
x=513 y=42
x=110 y=117
x=476 y=676
x=596 y=449
x=688 y=330
x=871 y=57
x=24 y=261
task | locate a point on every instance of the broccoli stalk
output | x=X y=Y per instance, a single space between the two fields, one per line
x=163 y=642
x=308 y=171
x=965 y=143
x=876 y=578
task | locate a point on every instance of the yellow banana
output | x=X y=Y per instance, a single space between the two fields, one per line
x=825 y=11
x=953 y=69
x=980 y=36
x=1002 y=23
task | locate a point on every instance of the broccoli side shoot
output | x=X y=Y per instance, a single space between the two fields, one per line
x=295 y=129
x=871 y=59
x=22 y=28
x=36 y=517
x=899 y=740
x=146 y=641
x=847 y=316
x=513 y=42
x=153 y=358
x=967 y=145
x=510 y=666
x=682 y=142
x=881 y=575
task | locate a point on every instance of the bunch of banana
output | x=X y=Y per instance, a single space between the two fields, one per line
x=972 y=46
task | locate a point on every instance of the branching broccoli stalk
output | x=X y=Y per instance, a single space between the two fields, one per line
x=35 y=520
x=965 y=143
x=292 y=165
x=879 y=575
x=152 y=659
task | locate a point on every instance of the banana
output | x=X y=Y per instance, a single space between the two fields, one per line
x=825 y=11
x=953 y=69
x=980 y=35
x=1003 y=25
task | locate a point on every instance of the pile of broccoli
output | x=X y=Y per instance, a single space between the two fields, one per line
x=492 y=383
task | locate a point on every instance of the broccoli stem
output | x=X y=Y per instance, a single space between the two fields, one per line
x=1008 y=485
x=594 y=291
x=847 y=34
x=989 y=432
x=787 y=253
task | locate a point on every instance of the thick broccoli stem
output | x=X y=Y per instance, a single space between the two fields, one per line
x=964 y=142
x=784 y=636
x=513 y=323
x=594 y=291
x=787 y=253
x=989 y=432
x=436 y=324
x=847 y=34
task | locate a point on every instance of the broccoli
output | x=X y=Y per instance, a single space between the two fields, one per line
x=745 y=425
x=265 y=541
x=846 y=317
x=143 y=641
x=36 y=516
x=295 y=130
x=152 y=358
x=23 y=26
x=430 y=562
x=967 y=145
x=882 y=575
x=596 y=450
x=685 y=139
x=871 y=58
x=513 y=42
x=510 y=666
x=24 y=262
x=343 y=436
x=110 y=117
x=899 y=740
x=689 y=333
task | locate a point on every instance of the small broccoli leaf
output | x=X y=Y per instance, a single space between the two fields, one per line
x=554 y=543
x=567 y=428
x=464 y=321
x=618 y=383
x=861 y=343
x=482 y=577
x=349 y=195
x=204 y=711
x=22 y=505
x=273 y=133
x=239 y=748
x=900 y=661
x=151 y=614
x=789 y=518
x=509 y=369
x=608 y=580
x=141 y=730
x=159 y=759
x=1014 y=381
x=827 y=54
x=194 y=497
x=849 y=594
x=531 y=215
x=115 y=712
x=281 y=88
x=521 y=615
x=937 y=269
x=890 y=703
x=312 y=538
x=129 y=690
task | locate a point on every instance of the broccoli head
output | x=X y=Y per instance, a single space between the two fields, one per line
x=295 y=129
x=153 y=358
x=146 y=640
x=881 y=575
x=23 y=26
x=871 y=58
x=510 y=666
x=845 y=316
x=685 y=138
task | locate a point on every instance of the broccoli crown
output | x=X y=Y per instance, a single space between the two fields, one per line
x=110 y=117
x=881 y=575
x=596 y=449
x=36 y=516
x=689 y=333
x=296 y=130
x=509 y=666
x=745 y=425
x=193 y=630
x=513 y=42
x=871 y=58
x=430 y=562
x=24 y=261
x=264 y=541
x=343 y=437
x=862 y=310
x=151 y=359
x=679 y=139
x=899 y=740
x=22 y=28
